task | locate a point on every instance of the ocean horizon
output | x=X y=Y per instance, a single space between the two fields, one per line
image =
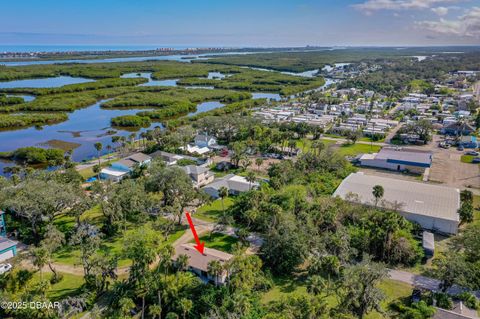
x=68 y=48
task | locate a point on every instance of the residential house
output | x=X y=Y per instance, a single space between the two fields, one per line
x=172 y=159
x=234 y=183
x=123 y=167
x=8 y=247
x=198 y=262
x=200 y=176
x=458 y=129
x=202 y=140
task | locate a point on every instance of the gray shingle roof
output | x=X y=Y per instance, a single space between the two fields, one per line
x=198 y=260
x=416 y=198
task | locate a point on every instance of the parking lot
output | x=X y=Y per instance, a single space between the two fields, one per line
x=449 y=170
x=446 y=168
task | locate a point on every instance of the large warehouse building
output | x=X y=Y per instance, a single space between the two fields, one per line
x=433 y=207
x=398 y=159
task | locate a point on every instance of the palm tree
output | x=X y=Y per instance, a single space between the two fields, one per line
x=378 y=193
x=182 y=262
x=258 y=162
x=186 y=306
x=215 y=268
x=126 y=304
x=98 y=146
x=250 y=179
x=155 y=311
x=316 y=285
x=223 y=192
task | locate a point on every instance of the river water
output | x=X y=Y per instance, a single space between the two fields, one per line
x=89 y=125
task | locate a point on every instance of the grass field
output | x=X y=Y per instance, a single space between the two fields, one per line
x=219 y=241
x=284 y=287
x=356 y=149
x=467 y=158
x=70 y=285
x=211 y=212
x=111 y=246
x=305 y=144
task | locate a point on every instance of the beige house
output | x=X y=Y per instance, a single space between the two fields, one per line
x=200 y=176
x=198 y=263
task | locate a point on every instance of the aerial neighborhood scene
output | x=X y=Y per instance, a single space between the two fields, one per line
x=240 y=159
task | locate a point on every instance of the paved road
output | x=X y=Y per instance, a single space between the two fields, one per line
x=422 y=281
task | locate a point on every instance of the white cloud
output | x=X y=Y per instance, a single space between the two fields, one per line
x=370 y=6
x=467 y=25
x=441 y=11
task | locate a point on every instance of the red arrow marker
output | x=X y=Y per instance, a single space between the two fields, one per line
x=199 y=246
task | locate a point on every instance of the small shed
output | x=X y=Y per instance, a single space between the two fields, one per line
x=428 y=243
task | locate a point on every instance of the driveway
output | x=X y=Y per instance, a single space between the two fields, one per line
x=423 y=282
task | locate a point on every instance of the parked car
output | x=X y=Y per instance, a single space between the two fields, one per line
x=476 y=160
x=416 y=295
x=4 y=268
x=444 y=145
x=473 y=153
x=460 y=148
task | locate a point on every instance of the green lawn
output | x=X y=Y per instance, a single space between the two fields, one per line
x=219 y=241
x=305 y=144
x=211 y=212
x=356 y=149
x=69 y=285
x=467 y=158
x=284 y=287
x=66 y=223
x=111 y=246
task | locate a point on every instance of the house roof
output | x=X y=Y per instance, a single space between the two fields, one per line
x=139 y=157
x=203 y=138
x=113 y=172
x=6 y=243
x=416 y=198
x=166 y=156
x=232 y=182
x=198 y=260
x=127 y=162
x=194 y=170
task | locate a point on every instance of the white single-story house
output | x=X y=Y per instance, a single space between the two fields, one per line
x=398 y=159
x=198 y=263
x=234 y=183
x=434 y=207
x=200 y=175
x=121 y=168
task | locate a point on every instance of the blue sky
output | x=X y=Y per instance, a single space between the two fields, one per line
x=240 y=23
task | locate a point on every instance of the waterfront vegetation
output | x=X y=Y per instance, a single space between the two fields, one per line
x=131 y=121
x=8 y=121
x=126 y=92
x=305 y=61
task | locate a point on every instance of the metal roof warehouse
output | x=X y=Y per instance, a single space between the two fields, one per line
x=433 y=207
